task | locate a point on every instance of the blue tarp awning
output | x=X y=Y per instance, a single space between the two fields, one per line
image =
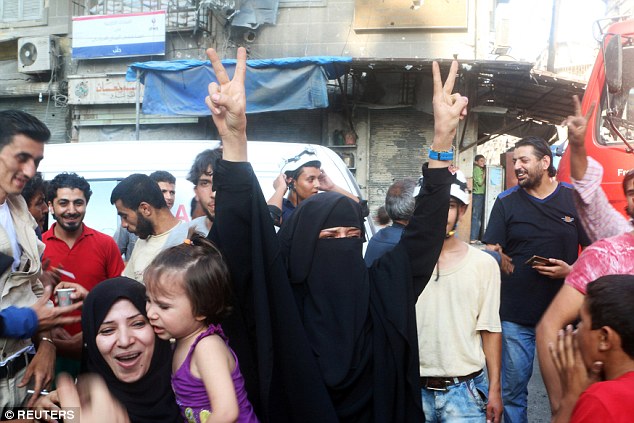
x=179 y=87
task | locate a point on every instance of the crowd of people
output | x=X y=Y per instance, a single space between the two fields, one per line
x=231 y=319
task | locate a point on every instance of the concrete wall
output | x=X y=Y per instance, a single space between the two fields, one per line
x=397 y=148
x=391 y=142
x=328 y=30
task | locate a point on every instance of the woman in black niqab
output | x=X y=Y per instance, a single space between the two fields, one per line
x=368 y=315
x=331 y=287
x=361 y=322
x=150 y=399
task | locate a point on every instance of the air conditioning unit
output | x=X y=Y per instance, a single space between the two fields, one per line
x=36 y=54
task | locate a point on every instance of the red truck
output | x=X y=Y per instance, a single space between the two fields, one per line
x=610 y=134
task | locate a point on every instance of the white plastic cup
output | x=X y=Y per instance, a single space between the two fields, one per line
x=63 y=296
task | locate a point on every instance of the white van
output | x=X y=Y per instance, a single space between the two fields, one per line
x=106 y=163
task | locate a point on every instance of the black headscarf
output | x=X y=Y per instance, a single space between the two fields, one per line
x=332 y=291
x=150 y=399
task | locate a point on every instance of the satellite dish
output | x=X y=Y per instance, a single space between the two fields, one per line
x=28 y=54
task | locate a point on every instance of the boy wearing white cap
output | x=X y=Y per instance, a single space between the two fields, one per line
x=459 y=329
x=302 y=177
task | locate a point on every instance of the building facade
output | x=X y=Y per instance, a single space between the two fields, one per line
x=381 y=108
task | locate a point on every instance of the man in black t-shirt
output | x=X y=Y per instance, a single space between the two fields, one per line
x=537 y=217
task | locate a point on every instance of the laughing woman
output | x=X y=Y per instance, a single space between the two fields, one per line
x=122 y=348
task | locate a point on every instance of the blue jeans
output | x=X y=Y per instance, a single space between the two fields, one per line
x=518 y=353
x=464 y=402
x=477 y=210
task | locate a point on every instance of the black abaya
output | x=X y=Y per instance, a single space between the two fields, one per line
x=335 y=338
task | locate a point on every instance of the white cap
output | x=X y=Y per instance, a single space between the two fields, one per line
x=303 y=157
x=459 y=189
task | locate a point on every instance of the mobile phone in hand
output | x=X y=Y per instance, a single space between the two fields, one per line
x=538 y=261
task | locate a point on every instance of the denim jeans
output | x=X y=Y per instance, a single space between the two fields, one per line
x=518 y=353
x=464 y=402
x=477 y=210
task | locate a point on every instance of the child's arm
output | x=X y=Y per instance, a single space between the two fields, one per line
x=213 y=362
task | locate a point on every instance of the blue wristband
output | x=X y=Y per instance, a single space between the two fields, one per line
x=441 y=155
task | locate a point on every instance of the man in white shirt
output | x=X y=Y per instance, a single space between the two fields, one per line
x=459 y=329
x=167 y=183
x=144 y=212
x=201 y=175
x=22 y=138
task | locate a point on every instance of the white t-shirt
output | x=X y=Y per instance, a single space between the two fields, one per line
x=452 y=310
x=7 y=223
x=200 y=225
x=146 y=249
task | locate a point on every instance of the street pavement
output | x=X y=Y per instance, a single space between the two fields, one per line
x=538 y=406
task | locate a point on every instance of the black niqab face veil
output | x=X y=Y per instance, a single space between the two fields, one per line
x=150 y=399
x=331 y=284
x=299 y=236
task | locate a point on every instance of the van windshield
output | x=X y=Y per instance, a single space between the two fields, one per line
x=617 y=113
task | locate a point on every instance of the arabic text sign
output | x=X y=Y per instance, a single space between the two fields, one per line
x=132 y=34
x=102 y=90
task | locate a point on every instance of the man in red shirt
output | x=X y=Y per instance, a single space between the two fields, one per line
x=89 y=255
x=596 y=364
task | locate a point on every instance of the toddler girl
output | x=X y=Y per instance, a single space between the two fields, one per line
x=188 y=291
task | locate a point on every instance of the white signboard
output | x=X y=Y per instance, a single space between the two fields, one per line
x=132 y=34
x=102 y=90
x=494 y=187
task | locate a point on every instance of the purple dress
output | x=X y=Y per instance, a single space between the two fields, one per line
x=191 y=394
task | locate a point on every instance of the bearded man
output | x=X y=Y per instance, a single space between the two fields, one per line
x=612 y=251
x=536 y=217
x=201 y=175
x=144 y=212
